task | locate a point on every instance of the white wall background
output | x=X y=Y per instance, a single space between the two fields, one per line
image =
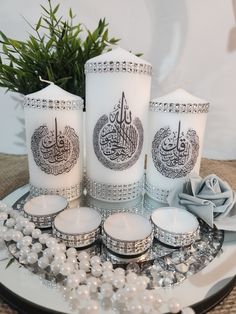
x=191 y=44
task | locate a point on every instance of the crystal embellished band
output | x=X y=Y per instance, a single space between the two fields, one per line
x=175 y=239
x=42 y=221
x=179 y=108
x=156 y=193
x=118 y=66
x=77 y=240
x=127 y=247
x=53 y=104
x=70 y=193
x=134 y=206
x=114 y=192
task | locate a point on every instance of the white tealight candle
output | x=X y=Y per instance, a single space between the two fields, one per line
x=117 y=96
x=77 y=227
x=175 y=226
x=176 y=131
x=54 y=134
x=127 y=233
x=43 y=209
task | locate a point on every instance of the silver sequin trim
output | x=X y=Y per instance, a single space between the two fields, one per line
x=179 y=108
x=70 y=193
x=53 y=104
x=114 y=192
x=43 y=221
x=175 y=239
x=156 y=193
x=127 y=247
x=77 y=240
x=118 y=66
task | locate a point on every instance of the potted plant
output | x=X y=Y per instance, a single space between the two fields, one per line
x=56 y=50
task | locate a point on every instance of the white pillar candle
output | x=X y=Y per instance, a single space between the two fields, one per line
x=54 y=129
x=43 y=209
x=127 y=233
x=77 y=227
x=117 y=96
x=176 y=131
x=175 y=226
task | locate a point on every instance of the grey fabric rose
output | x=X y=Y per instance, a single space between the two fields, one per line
x=210 y=198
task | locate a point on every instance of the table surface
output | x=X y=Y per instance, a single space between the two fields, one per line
x=14 y=173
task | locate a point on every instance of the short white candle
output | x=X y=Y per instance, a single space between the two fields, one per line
x=45 y=205
x=176 y=132
x=78 y=221
x=176 y=220
x=54 y=136
x=117 y=96
x=127 y=227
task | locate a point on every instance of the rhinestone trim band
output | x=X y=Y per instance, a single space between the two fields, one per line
x=135 y=207
x=114 y=192
x=127 y=247
x=53 y=104
x=42 y=221
x=175 y=239
x=178 y=108
x=118 y=66
x=77 y=240
x=70 y=193
x=156 y=193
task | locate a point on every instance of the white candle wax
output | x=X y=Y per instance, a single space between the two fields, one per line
x=127 y=227
x=54 y=136
x=117 y=111
x=78 y=220
x=176 y=220
x=45 y=205
x=176 y=133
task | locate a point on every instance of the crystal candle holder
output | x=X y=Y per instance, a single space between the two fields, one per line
x=117 y=96
x=175 y=226
x=54 y=138
x=127 y=234
x=176 y=132
x=77 y=227
x=42 y=210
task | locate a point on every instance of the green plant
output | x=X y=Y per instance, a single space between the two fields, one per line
x=55 y=51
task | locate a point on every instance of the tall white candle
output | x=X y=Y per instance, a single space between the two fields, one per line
x=117 y=96
x=54 y=128
x=176 y=131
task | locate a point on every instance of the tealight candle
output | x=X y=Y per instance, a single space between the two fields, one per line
x=54 y=134
x=176 y=131
x=127 y=233
x=43 y=209
x=175 y=226
x=117 y=96
x=77 y=227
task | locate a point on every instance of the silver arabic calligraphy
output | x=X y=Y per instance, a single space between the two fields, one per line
x=174 y=154
x=118 y=138
x=54 y=151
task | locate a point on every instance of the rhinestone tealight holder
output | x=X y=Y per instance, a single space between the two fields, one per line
x=175 y=226
x=42 y=210
x=77 y=227
x=127 y=234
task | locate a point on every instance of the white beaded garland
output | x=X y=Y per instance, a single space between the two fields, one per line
x=129 y=290
x=174 y=305
x=36 y=233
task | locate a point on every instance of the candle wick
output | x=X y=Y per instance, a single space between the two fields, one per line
x=46 y=81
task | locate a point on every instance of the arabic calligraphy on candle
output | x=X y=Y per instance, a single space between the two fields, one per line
x=54 y=151
x=118 y=137
x=175 y=153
